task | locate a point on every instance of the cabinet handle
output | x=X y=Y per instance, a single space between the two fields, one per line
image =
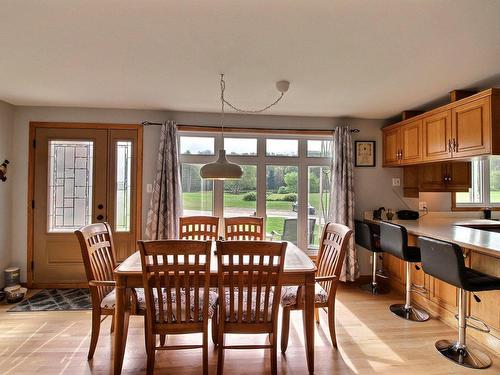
x=455 y=145
x=401 y=154
x=449 y=145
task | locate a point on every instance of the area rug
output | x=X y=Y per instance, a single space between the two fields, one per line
x=55 y=300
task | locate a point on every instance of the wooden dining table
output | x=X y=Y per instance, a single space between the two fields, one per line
x=299 y=269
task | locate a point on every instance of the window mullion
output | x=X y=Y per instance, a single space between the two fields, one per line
x=486 y=182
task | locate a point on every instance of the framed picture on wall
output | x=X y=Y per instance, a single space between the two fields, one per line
x=364 y=153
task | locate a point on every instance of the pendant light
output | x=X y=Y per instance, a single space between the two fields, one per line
x=223 y=169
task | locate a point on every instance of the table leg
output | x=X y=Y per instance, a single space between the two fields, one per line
x=122 y=313
x=308 y=319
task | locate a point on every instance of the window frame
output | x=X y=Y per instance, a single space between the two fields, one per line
x=484 y=166
x=261 y=161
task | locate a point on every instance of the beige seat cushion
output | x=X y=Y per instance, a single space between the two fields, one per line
x=212 y=303
x=289 y=295
x=109 y=301
x=262 y=304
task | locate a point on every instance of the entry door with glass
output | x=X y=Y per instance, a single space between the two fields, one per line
x=81 y=176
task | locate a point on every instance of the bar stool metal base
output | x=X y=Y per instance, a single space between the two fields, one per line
x=463 y=355
x=411 y=313
x=374 y=289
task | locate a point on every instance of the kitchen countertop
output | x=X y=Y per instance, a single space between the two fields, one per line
x=449 y=228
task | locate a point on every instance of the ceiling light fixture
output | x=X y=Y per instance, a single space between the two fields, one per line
x=223 y=169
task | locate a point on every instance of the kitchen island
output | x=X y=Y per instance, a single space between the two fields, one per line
x=480 y=242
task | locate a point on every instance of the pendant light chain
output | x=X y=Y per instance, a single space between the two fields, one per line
x=224 y=101
x=222 y=169
x=222 y=89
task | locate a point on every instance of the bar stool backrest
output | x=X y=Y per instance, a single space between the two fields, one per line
x=442 y=260
x=394 y=239
x=363 y=235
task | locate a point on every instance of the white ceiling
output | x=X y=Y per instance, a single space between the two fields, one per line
x=343 y=57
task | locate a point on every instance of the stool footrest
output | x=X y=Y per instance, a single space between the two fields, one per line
x=420 y=289
x=481 y=326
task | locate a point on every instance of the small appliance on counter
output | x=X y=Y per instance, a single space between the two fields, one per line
x=377 y=214
x=408 y=215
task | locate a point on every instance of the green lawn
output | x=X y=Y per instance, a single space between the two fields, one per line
x=203 y=200
x=464 y=197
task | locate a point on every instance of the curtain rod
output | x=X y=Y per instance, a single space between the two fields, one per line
x=147 y=123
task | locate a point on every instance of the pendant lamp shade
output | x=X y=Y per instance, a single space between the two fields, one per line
x=221 y=169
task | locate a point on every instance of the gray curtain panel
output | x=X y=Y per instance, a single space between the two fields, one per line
x=342 y=195
x=165 y=206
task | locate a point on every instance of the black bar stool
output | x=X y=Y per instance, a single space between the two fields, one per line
x=445 y=261
x=394 y=240
x=365 y=237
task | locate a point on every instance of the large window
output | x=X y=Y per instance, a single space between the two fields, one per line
x=286 y=180
x=485 y=186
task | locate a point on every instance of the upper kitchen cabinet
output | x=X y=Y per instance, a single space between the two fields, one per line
x=391 y=146
x=471 y=128
x=437 y=136
x=460 y=130
x=403 y=144
x=411 y=142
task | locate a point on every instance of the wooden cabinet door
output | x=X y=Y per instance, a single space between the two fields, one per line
x=459 y=176
x=391 y=146
x=411 y=142
x=436 y=132
x=443 y=294
x=487 y=310
x=471 y=124
x=431 y=177
x=394 y=267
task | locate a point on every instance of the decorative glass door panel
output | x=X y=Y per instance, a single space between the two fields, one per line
x=81 y=176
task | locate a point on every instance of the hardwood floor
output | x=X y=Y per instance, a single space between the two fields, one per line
x=370 y=340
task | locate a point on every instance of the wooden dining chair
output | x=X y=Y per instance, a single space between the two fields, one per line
x=205 y=228
x=333 y=247
x=249 y=276
x=99 y=259
x=244 y=228
x=176 y=275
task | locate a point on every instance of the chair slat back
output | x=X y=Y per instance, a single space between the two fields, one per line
x=204 y=228
x=98 y=253
x=244 y=228
x=252 y=270
x=333 y=248
x=176 y=276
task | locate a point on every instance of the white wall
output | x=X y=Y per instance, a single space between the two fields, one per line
x=372 y=185
x=20 y=140
x=6 y=126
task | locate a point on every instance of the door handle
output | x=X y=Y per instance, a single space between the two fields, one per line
x=99 y=217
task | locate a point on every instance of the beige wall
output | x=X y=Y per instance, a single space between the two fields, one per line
x=6 y=126
x=372 y=185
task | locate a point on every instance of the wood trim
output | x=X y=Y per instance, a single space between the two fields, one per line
x=468 y=208
x=139 y=161
x=31 y=192
x=33 y=125
x=83 y=125
x=215 y=129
